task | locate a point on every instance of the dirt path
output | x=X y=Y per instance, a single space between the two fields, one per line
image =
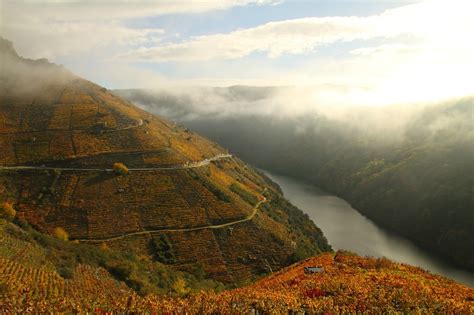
x=217 y=226
x=187 y=165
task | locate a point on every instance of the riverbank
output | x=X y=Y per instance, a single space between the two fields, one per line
x=345 y=228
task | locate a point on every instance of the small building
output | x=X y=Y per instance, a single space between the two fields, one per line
x=309 y=270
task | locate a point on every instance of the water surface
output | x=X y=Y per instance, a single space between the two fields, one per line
x=345 y=228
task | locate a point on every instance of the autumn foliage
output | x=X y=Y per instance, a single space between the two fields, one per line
x=61 y=234
x=7 y=210
x=350 y=284
x=120 y=168
x=77 y=125
x=107 y=161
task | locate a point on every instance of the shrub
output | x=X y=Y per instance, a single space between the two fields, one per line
x=104 y=247
x=66 y=271
x=120 y=169
x=141 y=286
x=56 y=173
x=199 y=272
x=4 y=289
x=122 y=269
x=383 y=262
x=8 y=211
x=163 y=250
x=61 y=234
x=180 y=287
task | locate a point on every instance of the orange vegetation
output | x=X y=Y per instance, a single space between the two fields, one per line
x=72 y=124
x=120 y=168
x=349 y=284
x=61 y=234
x=7 y=210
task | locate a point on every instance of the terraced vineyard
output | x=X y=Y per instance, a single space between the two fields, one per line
x=165 y=211
x=60 y=136
x=30 y=284
x=347 y=284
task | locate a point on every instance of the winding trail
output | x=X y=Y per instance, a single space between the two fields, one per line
x=198 y=228
x=186 y=165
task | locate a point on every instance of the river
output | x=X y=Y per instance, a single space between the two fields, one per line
x=345 y=228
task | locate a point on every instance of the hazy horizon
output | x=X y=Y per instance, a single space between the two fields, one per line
x=365 y=53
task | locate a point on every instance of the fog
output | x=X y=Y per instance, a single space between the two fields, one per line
x=23 y=77
x=407 y=167
x=306 y=108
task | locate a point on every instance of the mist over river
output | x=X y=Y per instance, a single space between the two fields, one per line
x=345 y=228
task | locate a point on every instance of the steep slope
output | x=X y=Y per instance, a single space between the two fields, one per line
x=347 y=284
x=409 y=168
x=184 y=200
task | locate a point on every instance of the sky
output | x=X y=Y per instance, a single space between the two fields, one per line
x=368 y=52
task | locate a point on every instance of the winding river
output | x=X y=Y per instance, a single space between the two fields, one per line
x=345 y=228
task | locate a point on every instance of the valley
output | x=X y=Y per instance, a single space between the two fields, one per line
x=347 y=229
x=407 y=169
x=236 y=157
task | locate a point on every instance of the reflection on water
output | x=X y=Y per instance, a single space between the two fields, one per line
x=345 y=228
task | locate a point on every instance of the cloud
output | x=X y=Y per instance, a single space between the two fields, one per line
x=299 y=107
x=120 y=9
x=422 y=53
x=421 y=21
x=62 y=38
x=276 y=38
x=57 y=28
x=413 y=53
x=122 y=75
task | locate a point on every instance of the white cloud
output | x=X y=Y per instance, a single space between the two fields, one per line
x=291 y=36
x=420 y=52
x=54 y=28
x=123 y=75
x=62 y=38
x=385 y=48
x=423 y=53
x=299 y=36
x=275 y=38
x=119 y=9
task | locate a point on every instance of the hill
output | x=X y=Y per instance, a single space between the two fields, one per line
x=347 y=284
x=408 y=168
x=74 y=156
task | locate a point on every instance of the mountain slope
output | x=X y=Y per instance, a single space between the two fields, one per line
x=183 y=201
x=409 y=169
x=347 y=284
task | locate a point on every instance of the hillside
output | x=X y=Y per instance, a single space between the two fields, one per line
x=409 y=169
x=76 y=157
x=348 y=284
